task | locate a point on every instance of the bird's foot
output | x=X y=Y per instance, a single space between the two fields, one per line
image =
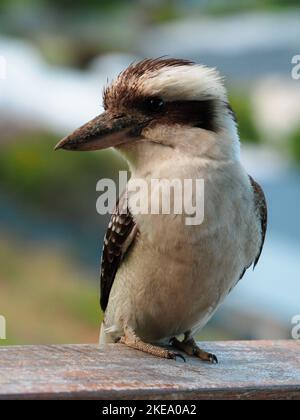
x=190 y=347
x=130 y=339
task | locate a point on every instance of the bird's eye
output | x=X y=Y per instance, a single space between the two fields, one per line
x=155 y=104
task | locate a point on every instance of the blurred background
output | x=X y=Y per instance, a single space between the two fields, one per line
x=56 y=56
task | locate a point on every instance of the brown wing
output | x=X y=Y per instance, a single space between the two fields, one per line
x=262 y=213
x=120 y=235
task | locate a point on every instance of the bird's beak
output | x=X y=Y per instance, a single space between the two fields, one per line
x=102 y=132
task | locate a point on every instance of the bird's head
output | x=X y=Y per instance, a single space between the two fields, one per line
x=160 y=105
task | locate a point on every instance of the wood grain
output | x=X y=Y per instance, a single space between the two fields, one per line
x=247 y=370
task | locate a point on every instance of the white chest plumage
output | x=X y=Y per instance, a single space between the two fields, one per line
x=175 y=276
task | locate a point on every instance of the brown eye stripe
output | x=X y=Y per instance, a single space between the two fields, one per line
x=194 y=113
x=200 y=114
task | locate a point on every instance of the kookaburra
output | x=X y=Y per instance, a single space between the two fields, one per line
x=160 y=278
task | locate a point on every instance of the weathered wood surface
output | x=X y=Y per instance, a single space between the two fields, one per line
x=247 y=370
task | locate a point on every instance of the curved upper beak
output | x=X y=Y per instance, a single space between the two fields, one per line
x=102 y=132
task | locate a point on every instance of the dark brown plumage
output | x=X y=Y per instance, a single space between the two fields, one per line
x=120 y=235
x=262 y=211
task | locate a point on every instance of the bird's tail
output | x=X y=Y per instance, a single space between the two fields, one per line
x=104 y=337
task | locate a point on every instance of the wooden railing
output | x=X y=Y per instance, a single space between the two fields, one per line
x=246 y=370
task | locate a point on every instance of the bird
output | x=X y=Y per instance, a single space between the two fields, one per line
x=161 y=279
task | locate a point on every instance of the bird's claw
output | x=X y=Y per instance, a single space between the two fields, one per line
x=174 y=356
x=209 y=357
x=171 y=341
x=213 y=359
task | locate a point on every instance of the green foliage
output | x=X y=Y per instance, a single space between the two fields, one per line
x=83 y=306
x=56 y=299
x=225 y=7
x=66 y=4
x=60 y=182
x=165 y=8
x=240 y=103
x=165 y=11
x=294 y=145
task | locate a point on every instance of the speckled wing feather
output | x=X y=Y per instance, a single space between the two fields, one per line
x=120 y=234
